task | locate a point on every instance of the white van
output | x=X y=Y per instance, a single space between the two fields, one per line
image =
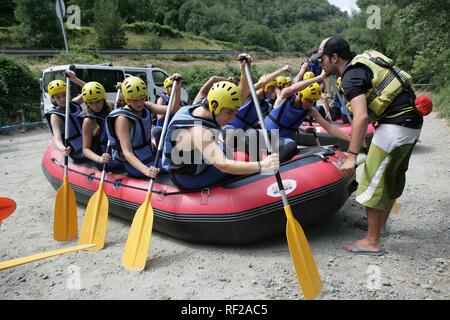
x=108 y=76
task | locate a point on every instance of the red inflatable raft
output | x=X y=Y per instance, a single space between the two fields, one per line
x=325 y=138
x=241 y=210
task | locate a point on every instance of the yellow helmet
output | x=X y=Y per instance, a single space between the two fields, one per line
x=281 y=80
x=167 y=83
x=226 y=94
x=311 y=92
x=309 y=75
x=56 y=87
x=272 y=83
x=134 y=88
x=93 y=91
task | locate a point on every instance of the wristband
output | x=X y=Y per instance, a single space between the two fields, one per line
x=351 y=152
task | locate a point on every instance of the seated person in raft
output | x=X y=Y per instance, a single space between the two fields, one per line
x=130 y=129
x=293 y=106
x=194 y=152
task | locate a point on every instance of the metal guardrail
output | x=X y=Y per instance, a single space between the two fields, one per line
x=22 y=126
x=126 y=52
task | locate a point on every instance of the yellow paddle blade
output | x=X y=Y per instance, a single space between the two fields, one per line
x=95 y=220
x=65 y=226
x=396 y=207
x=139 y=238
x=40 y=256
x=302 y=258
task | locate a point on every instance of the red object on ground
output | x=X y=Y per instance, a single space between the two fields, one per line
x=7 y=207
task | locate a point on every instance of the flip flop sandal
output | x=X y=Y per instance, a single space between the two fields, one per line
x=361 y=251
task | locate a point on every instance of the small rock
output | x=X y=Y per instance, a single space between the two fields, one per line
x=250 y=266
x=436 y=290
x=387 y=284
x=254 y=282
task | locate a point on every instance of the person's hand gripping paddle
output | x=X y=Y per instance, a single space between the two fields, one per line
x=65 y=227
x=302 y=258
x=96 y=217
x=139 y=238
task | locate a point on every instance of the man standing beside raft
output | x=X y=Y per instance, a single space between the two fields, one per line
x=379 y=92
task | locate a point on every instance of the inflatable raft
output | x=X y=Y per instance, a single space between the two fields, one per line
x=242 y=210
x=325 y=138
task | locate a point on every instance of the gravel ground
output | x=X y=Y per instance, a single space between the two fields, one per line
x=416 y=265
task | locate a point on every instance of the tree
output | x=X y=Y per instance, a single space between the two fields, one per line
x=38 y=25
x=7 y=9
x=108 y=25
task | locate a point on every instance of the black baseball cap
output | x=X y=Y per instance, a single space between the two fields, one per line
x=334 y=44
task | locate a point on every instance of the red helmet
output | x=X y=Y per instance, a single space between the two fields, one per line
x=424 y=105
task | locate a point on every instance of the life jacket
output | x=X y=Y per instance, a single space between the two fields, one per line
x=159 y=122
x=387 y=83
x=141 y=138
x=286 y=118
x=75 y=128
x=100 y=139
x=315 y=68
x=246 y=116
x=197 y=164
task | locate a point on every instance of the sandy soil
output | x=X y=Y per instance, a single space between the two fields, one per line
x=416 y=265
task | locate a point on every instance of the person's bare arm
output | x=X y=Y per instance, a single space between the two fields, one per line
x=57 y=125
x=203 y=140
x=299 y=86
x=330 y=128
x=123 y=128
x=273 y=75
x=301 y=73
x=359 y=129
x=203 y=92
x=88 y=129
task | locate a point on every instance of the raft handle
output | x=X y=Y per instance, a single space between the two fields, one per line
x=91 y=177
x=117 y=184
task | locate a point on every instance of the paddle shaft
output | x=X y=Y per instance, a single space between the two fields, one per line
x=163 y=132
x=109 y=142
x=314 y=133
x=342 y=102
x=264 y=131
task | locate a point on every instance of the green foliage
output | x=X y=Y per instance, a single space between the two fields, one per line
x=441 y=101
x=38 y=25
x=108 y=25
x=77 y=56
x=7 y=17
x=142 y=27
x=19 y=90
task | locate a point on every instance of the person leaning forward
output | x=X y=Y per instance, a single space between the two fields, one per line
x=380 y=92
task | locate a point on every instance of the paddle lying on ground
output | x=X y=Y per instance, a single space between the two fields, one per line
x=7 y=207
x=139 y=238
x=395 y=206
x=302 y=258
x=65 y=226
x=40 y=256
x=96 y=216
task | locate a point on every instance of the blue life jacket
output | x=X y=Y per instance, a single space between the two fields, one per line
x=246 y=117
x=141 y=138
x=315 y=68
x=159 y=122
x=75 y=128
x=100 y=141
x=286 y=118
x=184 y=119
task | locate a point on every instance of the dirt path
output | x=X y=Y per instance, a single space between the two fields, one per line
x=416 y=265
